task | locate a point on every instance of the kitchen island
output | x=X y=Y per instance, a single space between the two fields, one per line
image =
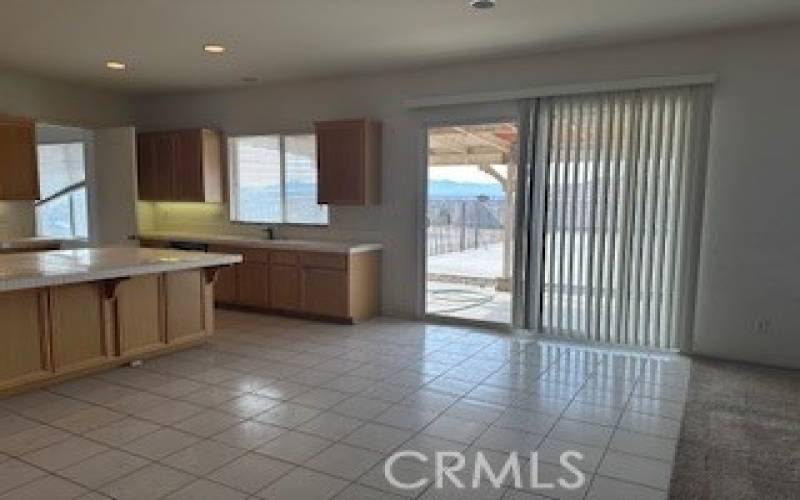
x=68 y=312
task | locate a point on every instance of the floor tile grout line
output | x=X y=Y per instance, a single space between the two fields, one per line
x=459 y=398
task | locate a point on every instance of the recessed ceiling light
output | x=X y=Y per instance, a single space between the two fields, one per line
x=213 y=48
x=115 y=65
x=483 y=4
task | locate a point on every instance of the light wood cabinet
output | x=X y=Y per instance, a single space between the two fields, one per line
x=331 y=285
x=253 y=284
x=25 y=339
x=348 y=162
x=284 y=288
x=324 y=292
x=19 y=174
x=58 y=332
x=139 y=315
x=227 y=286
x=80 y=334
x=183 y=165
x=185 y=303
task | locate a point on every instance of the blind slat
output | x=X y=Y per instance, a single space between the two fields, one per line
x=615 y=242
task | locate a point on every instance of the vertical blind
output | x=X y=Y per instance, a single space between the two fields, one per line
x=622 y=178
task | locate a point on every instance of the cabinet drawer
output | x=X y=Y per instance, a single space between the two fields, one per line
x=325 y=260
x=283 y=257
x=255 y=255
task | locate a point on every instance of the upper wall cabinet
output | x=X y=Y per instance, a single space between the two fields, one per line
x=348 y=162
x=183 y=165
x=19 y=177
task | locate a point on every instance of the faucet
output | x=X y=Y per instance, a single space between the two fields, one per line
x=269 y=232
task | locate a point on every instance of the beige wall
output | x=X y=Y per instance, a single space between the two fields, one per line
x=749 y=258
x=57 y=103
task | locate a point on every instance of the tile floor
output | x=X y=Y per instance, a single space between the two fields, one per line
x=278 y=408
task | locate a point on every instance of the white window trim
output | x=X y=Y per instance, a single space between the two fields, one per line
x=233 y=177
x=66 y=191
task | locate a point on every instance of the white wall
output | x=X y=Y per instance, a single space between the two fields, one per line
x=55 y=103
x=749 y=263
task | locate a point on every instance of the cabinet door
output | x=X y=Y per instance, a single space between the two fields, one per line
x=79 y=326
x=325 y=292
x=166 y=150
x=139 y=325
x=147 y=167
x=340 y=162
x=284 y=287
x=189 y=166
x=24 y=343
x=185 y=303
x=19 y=177
x=225 y=289
x=252 y=284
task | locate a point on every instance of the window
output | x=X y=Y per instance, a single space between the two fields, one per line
x=62 y=211
x=274 y=180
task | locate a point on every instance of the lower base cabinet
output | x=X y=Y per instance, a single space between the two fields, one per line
x=324 y=292
x=253 y=287
x=284 y=289
x=81 y=337
x=184 y=297
x=140 y=315
x=53 y=333
x=331 y=285
x=225 y=289
x=25 y=338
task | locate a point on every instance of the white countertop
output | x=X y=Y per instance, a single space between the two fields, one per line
x=243 y=241
x=33 y=242
x=62 y=267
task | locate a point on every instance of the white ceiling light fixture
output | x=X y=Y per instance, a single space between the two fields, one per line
x=214 y=48
x=483 y=4
x=115 y=65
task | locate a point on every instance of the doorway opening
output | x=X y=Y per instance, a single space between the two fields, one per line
x=470 y=207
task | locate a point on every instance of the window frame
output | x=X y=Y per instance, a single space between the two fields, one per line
x=67 y=191
x=233 y=174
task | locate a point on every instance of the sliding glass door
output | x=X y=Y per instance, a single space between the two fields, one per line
x=617 y=186
x=469 y=218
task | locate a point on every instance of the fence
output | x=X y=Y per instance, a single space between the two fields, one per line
x=458 y=225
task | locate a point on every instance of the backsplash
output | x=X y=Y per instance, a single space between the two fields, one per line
x=16 y=219
x=357 y=224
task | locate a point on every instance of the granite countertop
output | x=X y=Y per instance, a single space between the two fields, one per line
x=30 y=243
x=62 y=267
x=243 y=241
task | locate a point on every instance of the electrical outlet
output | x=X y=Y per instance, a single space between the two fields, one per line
x=762 y=325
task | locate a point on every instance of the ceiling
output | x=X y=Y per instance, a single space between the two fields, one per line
x=283 y=40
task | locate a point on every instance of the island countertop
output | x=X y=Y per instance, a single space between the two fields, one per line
x=63 y=267
x=277 y=244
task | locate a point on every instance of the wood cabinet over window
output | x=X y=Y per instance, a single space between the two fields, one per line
x=19 y=176
x=348 y=162
x=183 y=165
